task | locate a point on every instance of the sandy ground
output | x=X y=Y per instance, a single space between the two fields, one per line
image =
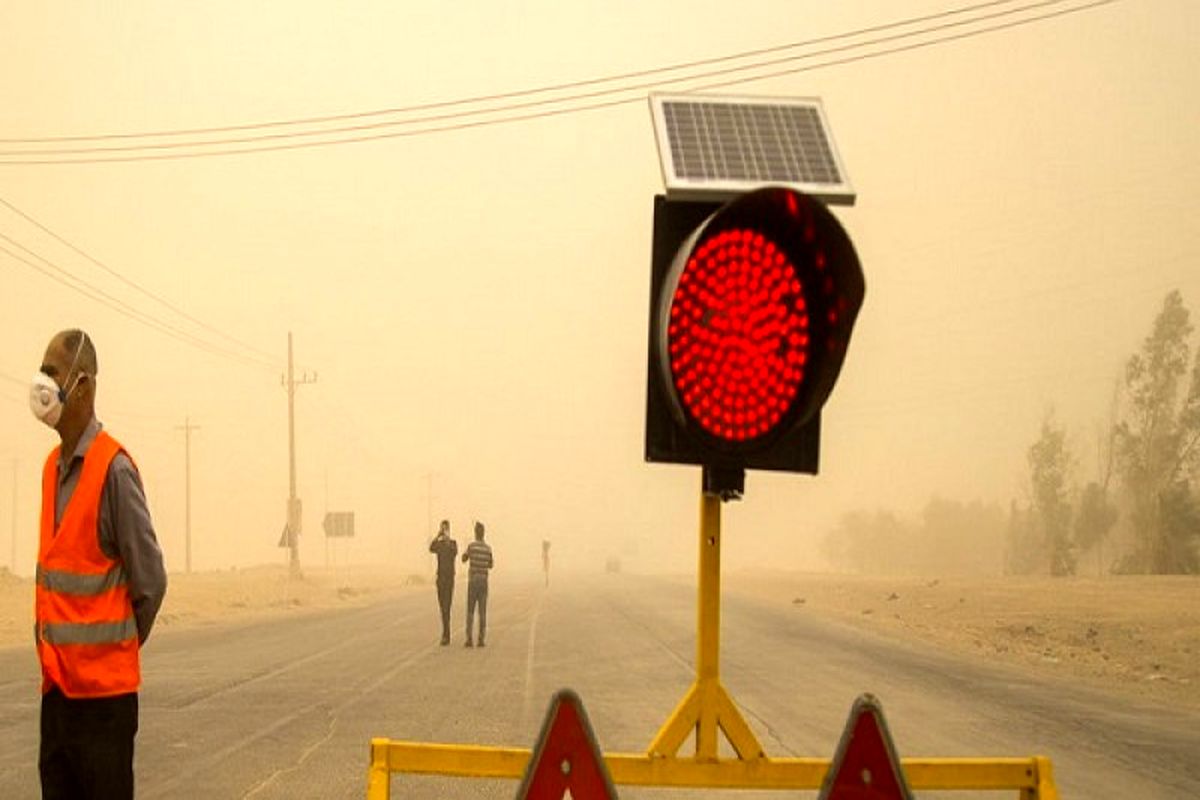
x=229 y=596
x=1136 y=635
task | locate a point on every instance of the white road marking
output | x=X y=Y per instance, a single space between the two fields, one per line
x=528 y=698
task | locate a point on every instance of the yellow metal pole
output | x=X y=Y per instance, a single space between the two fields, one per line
x=708 y=646
x=379 y=774
x=1045 y=788
x=675 y=730
x=708 y=641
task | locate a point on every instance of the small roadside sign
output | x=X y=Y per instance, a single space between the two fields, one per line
x=865 y=766
x=566 y=760
x=339 y=524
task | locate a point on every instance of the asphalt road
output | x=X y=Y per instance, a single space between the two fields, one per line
x=285 y=709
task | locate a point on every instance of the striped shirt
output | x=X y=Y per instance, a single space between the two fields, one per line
x=479 y=554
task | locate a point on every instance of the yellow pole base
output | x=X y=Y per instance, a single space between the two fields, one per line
x=705 y=709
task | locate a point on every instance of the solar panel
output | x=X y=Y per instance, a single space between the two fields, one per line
x=717 y=147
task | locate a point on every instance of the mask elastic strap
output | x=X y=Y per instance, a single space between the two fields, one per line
x=63 y=393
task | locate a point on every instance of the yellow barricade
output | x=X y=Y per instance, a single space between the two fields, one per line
x=707 y=710
x=1032 y=777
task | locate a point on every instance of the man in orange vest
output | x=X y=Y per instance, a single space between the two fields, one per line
x=100 y=582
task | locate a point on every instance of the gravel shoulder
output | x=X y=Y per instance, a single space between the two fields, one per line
x=1136 y=635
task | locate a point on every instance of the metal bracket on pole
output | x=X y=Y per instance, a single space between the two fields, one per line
x=727 y=483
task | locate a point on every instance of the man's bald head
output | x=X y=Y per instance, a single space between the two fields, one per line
x=77 y=341
x=70 y=360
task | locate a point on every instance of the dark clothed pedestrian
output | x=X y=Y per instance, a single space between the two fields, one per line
x=446 y=549
x=479 y=556
x=100 y=583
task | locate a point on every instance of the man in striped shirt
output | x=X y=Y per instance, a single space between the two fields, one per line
x=479 y=555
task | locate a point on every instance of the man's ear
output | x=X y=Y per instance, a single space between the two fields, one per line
x=89 y=388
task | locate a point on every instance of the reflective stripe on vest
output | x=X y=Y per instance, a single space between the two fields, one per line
x=64 y=582
x=88 y=632
x=87 y=635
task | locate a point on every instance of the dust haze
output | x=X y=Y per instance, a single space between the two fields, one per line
x=473 y=303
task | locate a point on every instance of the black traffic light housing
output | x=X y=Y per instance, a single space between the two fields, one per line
x=825 y=263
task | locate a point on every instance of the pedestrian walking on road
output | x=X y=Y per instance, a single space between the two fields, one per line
x=446 y=549
x=100 y=583
x=479 y=554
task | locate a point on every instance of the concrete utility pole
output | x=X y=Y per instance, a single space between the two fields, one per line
x=429 y=529
x=428 y=507
x=293 y=508
x=327 y=515
x=14 y=519
x=187 y=429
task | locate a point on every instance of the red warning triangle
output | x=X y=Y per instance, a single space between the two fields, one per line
x=566 y=758
x=865 y=766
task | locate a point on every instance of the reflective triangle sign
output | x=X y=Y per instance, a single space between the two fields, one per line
x=566 y=761
x=865 y=766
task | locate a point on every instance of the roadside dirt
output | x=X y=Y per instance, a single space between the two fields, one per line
x=1137 y=635
x=222 y=597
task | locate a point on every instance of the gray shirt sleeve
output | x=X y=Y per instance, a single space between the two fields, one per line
x=127 y=534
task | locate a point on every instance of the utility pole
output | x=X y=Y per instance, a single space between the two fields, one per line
x=187 y=429
x=293 y=507
x=428 y=520
x=14 y=519
x=327 y=515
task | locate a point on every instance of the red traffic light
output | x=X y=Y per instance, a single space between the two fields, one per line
x=754 y=317
x=737 y=335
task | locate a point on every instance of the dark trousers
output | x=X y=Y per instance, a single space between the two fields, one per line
x=445 y=590
x=87 y=747
x=477 y=592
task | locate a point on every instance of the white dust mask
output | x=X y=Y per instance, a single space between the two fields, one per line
x=46 y=399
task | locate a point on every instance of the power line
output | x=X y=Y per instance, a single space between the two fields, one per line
x=260 y=148
x=130 y=283
x=73 y=282
x=509 y=107
x=65 y=278
x=485 y=98
x=922 y=45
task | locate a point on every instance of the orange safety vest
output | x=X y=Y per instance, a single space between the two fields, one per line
x=87 y=638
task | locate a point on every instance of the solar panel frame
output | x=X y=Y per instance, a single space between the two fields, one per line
x=716 y=147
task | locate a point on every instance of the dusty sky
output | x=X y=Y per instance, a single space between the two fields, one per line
x=474 y=302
